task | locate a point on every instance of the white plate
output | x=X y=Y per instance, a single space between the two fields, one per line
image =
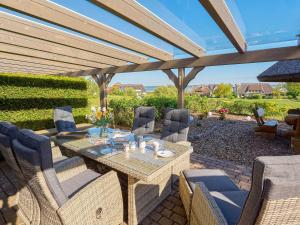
x=165 y=153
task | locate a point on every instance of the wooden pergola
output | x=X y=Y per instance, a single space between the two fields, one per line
x=31 y=47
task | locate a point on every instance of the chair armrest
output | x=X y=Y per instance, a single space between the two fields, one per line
x=69 y=168
x=56 y=153
x=204 y=209
x=100 y=202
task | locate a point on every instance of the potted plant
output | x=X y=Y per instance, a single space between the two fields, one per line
x=101 y=118
x=223 y=112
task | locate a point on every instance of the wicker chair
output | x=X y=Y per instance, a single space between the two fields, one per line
x=269 y=126
x=86 y=198
x=274 y=197
x=65 y=168
x=144 y=119
x=176 y=126
x=63 y=119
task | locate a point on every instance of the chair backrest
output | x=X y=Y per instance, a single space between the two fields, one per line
x=63 y=119
x=259 y=114
x=144 y=119
x=34 y=156
x=8 y=132
x=275 y=191
x=176 y=125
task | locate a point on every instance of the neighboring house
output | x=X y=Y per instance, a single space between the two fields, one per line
x=244 y=90
x=139 y=88
x=205 y=90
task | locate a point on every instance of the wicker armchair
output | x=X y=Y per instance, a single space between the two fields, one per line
x=144 y=119
x=86 y=198
x=63 y=119
x=27 y=205
x=176 y=126
x=269 y=126
x=274 y=197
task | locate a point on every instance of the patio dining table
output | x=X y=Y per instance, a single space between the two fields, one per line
x=148 y=177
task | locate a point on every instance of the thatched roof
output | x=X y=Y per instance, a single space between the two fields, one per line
x=283 y=71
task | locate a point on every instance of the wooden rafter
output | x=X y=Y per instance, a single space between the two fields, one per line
x=221 y=14
x=33 y=65
x=28 y=59
x=138 y=15
x=47 y=55
x=46 y=46
x=14 y=69
x=26 y=27
x=266 y=55
x=54 y=13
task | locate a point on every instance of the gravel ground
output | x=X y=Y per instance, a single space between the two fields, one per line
x=234 y=139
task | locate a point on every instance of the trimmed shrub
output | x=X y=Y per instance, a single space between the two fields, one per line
x=28 y=100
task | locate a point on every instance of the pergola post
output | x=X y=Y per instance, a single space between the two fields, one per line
x=181 y=81
x=102 y=81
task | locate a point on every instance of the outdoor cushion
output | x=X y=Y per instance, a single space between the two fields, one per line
x=271 y=123
x=63 y=119
x=231 y=204
x=176 y=125
x=283 y=168
x=9 y=130
x=76 y=183
x=214 y=180
x=59 y=159
x=143 y=122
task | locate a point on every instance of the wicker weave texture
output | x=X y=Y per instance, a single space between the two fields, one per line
x=69 y=168
x=278 y=212
x=204 y=209
x=186 y=195
x=99 y=203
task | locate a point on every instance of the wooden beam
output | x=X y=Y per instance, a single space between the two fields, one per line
x=26 y=27
x=191 y=75
x=47 y=55
x=221 y=14
x=180 y=88
x=16 y=62
x=266 y=55
x=56 y=14
x=13 y=69
x=28 y=59
x=33 y=65
x=46 y=46
x=138 y=15
x=102 y=81
x=172 y=77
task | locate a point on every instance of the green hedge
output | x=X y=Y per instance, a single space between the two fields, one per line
x=28 y=100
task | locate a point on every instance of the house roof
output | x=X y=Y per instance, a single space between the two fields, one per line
x=264 y=88
x=284 y=71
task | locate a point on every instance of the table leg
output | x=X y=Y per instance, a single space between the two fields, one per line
x=143 y=197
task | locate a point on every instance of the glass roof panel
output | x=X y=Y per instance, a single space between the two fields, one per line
x=191 y=19
x=267 y=21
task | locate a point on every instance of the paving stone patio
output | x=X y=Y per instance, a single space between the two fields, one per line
x=170 y=212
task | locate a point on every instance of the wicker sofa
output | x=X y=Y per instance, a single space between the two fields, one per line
x=210 y=197
x=84 y=198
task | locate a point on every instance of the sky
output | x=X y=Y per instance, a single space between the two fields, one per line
x=262 y=28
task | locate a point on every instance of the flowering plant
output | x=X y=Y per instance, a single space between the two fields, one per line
x=100 y=117
x=222 y=112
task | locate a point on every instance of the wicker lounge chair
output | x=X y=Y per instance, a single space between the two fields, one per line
x=86 y=198
x=144 y=119
x=26 y=203
x=63 y=119
x=176 y=126
x=269 y=126
x=210 y=197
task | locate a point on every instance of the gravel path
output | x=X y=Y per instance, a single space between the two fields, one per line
x=234 y=140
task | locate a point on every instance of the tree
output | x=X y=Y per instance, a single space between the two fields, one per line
x=277 y=91
x=115 y=90
x=223 y=91
x=293 y=89
x=129 y=91
x=165 y=91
